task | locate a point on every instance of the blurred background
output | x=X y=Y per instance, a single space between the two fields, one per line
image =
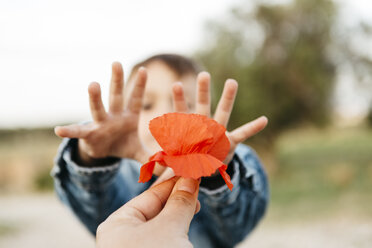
x=305 y=64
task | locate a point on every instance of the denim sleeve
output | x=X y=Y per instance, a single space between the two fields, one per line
x=94 y=193
x=229 y=216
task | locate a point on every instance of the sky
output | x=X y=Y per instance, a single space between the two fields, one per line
x=51 y=50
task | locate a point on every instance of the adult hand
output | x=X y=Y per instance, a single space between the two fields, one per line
x=159 y=217
x=112 y=133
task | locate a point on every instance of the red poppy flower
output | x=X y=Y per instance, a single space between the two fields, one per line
x=193 y=145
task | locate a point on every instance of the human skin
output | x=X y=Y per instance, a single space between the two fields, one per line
x=158 y=218
x=122 y=131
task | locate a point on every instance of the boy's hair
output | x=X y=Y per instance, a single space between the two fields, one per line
x=179 y=64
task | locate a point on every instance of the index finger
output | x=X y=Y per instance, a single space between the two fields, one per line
x=166 y=175
x=136 y=96
x=95 y=102
x=148 y=204
x=226 y=102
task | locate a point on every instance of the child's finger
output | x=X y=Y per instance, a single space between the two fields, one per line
x=203 y=102
x=247 y=130
x=72 y=131
x=179 y=101
x=226 y=103
x=116 y=97
x=95 y=102
x=136 y=96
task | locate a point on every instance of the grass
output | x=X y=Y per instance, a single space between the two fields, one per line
x=319 y=171
x=323 y=171
x=26 y=158
x=6 y=229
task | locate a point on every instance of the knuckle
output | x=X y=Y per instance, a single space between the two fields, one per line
x=91 y=153
x=89 y=134
x=94 y=152
x=182 y=199
x=101 y=229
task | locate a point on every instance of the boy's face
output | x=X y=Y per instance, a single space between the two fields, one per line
x=158 y=98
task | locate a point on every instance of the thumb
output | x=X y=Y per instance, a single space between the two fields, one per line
x=181 y=205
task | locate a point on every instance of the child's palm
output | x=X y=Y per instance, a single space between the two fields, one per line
x=223 y=111
x=112 y=133
x=222 y=114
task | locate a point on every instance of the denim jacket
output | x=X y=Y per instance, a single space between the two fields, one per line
x=225 y=218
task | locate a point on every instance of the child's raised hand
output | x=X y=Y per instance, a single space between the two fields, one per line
x=223 y=111
x=112 y=133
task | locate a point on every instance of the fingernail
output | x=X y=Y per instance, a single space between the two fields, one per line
x=198 y=207
x=187 y=184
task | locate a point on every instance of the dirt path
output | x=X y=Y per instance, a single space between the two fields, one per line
x=41 y=221
x=330 y=233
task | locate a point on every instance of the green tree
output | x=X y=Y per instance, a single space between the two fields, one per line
x=285 y=58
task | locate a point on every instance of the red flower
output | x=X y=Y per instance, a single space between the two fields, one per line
x=193 y=145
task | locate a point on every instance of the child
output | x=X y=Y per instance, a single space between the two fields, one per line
x=98 y=164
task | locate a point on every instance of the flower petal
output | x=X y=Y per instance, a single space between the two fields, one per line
x=193 y=165
x=148 y=168
x=180 y=133
x=226 y=177
x=146 y=172
x=194 y=146
x=221 y=145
